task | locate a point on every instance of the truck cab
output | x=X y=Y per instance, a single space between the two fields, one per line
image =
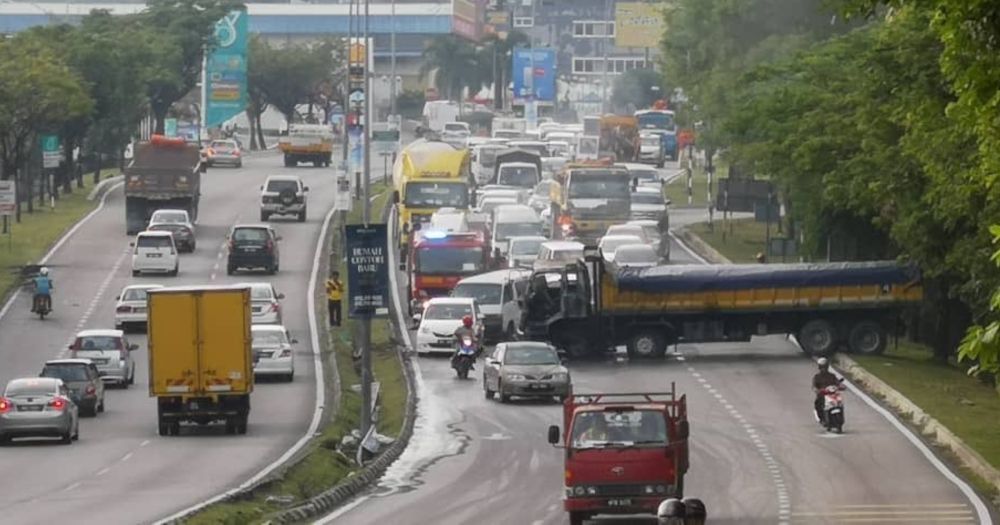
x=439 y=259
x=624 y=453
x=428 y=175
x=587 y=198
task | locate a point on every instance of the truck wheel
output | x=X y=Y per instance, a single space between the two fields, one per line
x=175 y=428
x=647 y=344
x=230 y=425
x=317 y=164
x=818 y=338
x=264 y=216
x=577 y=518
x=289 y=162
x=867 y=337
x=164 y=428
x=241 y=425
x=230 y=269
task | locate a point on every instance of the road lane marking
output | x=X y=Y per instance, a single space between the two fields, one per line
x=72 y=487
x=101 y=289
x=126 y=457
x=103 y=471
x=62 y=240
x=144 y=443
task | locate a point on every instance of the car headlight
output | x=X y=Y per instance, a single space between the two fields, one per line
x=560 y=376
x=579 y=490
x=514 y=377
x=649 y=489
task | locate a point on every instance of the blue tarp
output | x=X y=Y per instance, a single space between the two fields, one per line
x=697 y=278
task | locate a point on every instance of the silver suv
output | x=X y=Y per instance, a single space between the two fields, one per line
x=283 y=195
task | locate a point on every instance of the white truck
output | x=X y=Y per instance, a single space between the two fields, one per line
x=437 y=113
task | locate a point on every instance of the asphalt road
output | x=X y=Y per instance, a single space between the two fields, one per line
x=121 y=471
x=757 y=454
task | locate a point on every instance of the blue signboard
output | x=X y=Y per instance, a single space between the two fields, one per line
x=367 y=270
x=534 y=75
x=356 y=145
x=226 y=70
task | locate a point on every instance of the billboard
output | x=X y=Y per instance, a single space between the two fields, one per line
x=367 y=270
x=638 y=24
x=226 y=70
x=468 y=18
x=534 y=75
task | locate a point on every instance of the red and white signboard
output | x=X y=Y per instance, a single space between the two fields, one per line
x=8 y=197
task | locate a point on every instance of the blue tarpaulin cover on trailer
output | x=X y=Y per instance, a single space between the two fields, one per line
x=698 y=278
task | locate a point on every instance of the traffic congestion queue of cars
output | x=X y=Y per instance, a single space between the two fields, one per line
x=51 y=404
x=510 y=210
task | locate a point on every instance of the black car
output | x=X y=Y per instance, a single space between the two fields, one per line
x=253 y=246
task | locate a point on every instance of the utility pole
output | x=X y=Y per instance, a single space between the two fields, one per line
x=366 y=323
x=347 y=90
x=392 y=67
x=604 y=47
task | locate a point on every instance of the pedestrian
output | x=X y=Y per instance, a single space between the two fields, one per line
x=334 y=294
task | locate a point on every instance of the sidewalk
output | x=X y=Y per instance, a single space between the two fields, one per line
x=957 y=413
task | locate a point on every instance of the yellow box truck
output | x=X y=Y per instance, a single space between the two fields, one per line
x=200 y=359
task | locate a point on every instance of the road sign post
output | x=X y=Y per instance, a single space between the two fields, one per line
x=51 y=154
x=8 y=207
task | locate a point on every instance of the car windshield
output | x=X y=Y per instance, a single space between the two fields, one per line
x=278 y=186
x=97 y=343
x=520 y=176
x=567 y=255
x=655 y=120
x=449 y=260
x=223 y=145
x=507 y=230
x=599 y=185
x=604 y=429
x=135 y=294
x=250 y=234
x=644 y=175
x=448 y=311
x=636 y=254
x=153 y=241
x=483 y=293
x=66 y=372
x=436 y=194
x=610 y=244
x=454 y=127
x=530 y=356
x=169 y=216
x=647 y=198
x=171 y=227
x=526 y=247
x=269 y=338
x=261 y=293
x=29 y=388
x=538 y=149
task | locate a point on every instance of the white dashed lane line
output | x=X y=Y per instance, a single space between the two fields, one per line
x=82 y=323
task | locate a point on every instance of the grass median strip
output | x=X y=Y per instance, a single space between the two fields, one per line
x=323 y=466
x=738 y=240
x=37 y=231
x=677 y=190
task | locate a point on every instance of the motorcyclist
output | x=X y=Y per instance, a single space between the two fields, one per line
x=823 y=378
x=43 y=290
x=466 y=330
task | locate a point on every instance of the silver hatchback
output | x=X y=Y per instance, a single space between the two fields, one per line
x=38 y=407
x=110 y=352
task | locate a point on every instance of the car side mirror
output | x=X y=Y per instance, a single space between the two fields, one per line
x=281 y=296
x=278 y=237
x=395 y=197
x=553 y=434
x=306 y=188
x=683 y=429
x=295 y=341
x=417 y=318
x=133 y=346
x=262 y=187
x=131 y=244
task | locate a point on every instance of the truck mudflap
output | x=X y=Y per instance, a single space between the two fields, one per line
x=614 y=504
x=233 y=410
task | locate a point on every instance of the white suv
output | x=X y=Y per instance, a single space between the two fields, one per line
x=154 y=251
x=283 y=195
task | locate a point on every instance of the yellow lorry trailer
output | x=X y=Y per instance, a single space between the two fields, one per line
x=429 y=175
x=307 y=143
x=590 y=307
x=200 y=360
x=586 y=198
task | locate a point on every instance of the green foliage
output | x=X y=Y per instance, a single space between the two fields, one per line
x=982 y=342
x=410 y=103
x=454 y=65
x=285 y=77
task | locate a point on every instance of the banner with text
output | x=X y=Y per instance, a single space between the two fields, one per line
x=226 y=70
x=638 y=24
x=367 y=270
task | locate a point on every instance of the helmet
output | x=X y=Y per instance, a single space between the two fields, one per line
x=671 y=511
x=467 y=321
x=823 y=363
x=43 y=271
x=695 y=511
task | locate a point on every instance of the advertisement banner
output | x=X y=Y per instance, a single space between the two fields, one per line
x=638 y=24
x=367 y=270
x=468 y=18
x=226 y=70
x=534 y=75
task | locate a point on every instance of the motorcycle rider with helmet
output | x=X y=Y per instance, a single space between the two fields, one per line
x=466 y=330
x=823 y=378
x=43 y=290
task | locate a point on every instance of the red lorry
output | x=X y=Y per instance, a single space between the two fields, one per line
x=439 y=259
x=625 y=453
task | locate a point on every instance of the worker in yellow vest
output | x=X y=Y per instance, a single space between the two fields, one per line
x=334 y=294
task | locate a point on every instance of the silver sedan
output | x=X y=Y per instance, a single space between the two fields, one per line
x=525 y=369
x=38 y=407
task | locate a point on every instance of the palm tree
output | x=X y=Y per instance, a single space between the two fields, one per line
x=454 y=64
x=497 y=57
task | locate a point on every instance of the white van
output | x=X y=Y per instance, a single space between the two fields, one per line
x=154 y=251
x=510 y=220
x=557 y=254
x=486 y=158
x=518 y=175
x=497 y=295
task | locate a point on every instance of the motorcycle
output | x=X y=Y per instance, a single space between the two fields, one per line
x=832 y=417
x=465 y=358
x=42 y=305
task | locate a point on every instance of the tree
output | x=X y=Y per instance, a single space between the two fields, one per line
x=288 y=76
x=183 y=31
x=453 y=62
x=637 y=88
x=496 y=56
x=982 y=341
x=256 y=103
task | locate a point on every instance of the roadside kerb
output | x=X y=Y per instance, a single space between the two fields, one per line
x=104 y=186
x=901 y=406
x=359 y=481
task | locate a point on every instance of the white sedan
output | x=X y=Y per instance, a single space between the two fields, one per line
x=272 y=351
x=439 y=320
x=131 y=307
x=609 y=243
x=636 y=256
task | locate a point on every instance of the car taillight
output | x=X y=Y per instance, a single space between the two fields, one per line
x=232 y=245
x=269 y=245
x=275 y=307
x=123 y=309
x=57 y=403
x=91 y=389
x=236 y=153
x=5 y=406
x=286 y=353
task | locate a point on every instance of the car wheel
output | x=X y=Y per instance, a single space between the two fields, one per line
x=230 y=269
x=302 y=215
x=486 y=388
x=131 y=377
x=264 y=216
x=76 y=432
x=135 y=273
x=239 y=164
x=241 y=425
x=100 y=407
x=290 y=377
x=67 y=438
x=504 y=398
x=4 y=440
x=577 y=518
x=163 y=428
x=175 y=428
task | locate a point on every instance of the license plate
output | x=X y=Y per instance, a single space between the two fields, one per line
x=444 y=341
x=100 y=361
x=29 y=408
x=537 y=386
x=153 y=255
x=620 y=502
x=193 y=405
x=250 y=248
x=835 y=411
x=139 y=309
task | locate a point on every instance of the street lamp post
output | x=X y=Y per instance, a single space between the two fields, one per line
x=392 y=52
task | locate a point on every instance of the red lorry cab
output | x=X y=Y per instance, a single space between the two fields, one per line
x=625 y=453
x=439 y=259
